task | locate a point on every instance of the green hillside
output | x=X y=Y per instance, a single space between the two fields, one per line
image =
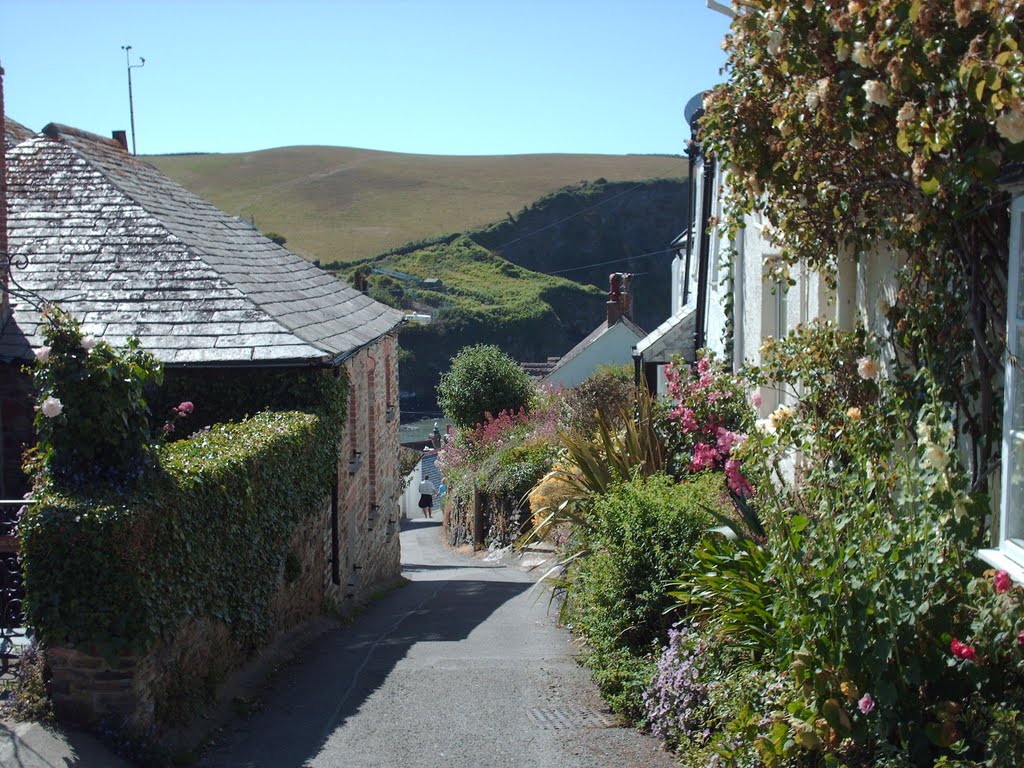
x=339 y=204
x=481 y=298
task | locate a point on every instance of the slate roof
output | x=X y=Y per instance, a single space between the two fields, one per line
x=596 y=334
x=672 y=337
x=129 y=252
x=15 y=133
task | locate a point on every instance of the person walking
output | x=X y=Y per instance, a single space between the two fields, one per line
x=427 y=491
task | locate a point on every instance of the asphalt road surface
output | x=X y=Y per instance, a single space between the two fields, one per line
x=462 y=667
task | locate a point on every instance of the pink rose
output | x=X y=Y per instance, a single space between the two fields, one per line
x=1002 y=581
x=755 y=399
x=185 y=408
x=866 y=704
x=1020 y=638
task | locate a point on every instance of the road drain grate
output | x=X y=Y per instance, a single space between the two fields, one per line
x=555 y=719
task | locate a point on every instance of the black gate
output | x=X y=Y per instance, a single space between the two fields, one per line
x=13 y=632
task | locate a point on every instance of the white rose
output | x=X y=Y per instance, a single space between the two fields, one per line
x=774 y=42
x=88 y=342
x=808 y=5
x=779 y=415
x=43 y=354
x=935 y=457
x=842 y=51
x=877 y=92
x=51 y=407
x=855 y=142
x=1010 y=125
x=764 y=426
x=907 y=113
x=867 y=368
x=861 y=55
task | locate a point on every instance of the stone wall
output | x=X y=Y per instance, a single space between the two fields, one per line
x=183 y=672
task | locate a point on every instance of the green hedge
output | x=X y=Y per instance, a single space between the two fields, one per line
x=205 y=534
x=642 y=533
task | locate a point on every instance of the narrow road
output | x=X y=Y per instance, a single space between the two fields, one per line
x=463 y=667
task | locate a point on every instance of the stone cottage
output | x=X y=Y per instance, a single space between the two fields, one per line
x=128 y=252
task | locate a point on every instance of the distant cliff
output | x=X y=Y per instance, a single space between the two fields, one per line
x=586 y=231
x=534 y=283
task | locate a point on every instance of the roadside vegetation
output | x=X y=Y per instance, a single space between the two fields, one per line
x=801 y=588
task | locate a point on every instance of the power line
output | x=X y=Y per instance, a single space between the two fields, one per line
x=612 y=261
x=567 y=218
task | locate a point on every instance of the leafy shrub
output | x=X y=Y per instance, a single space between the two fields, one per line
x=606 y=390
x=642 y=533
x=482 y=379
x=860 y=597
x=93 y=416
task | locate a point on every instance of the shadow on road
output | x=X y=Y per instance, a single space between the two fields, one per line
x=333 y=679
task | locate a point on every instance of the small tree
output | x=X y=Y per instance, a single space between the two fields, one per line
x=482 y=379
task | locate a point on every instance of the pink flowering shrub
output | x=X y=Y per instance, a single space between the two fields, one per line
x=708 y=417
x=505 y=455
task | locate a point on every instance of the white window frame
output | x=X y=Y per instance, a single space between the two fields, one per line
x=1008 y=555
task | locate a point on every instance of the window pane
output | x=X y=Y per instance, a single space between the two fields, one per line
x=1015 y=498
x=1020 y=274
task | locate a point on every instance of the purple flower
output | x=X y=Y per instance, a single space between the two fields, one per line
x=866 y=704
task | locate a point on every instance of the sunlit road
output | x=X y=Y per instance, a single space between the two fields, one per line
x=462 y=667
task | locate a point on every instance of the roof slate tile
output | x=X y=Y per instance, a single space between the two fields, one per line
x=131 y=252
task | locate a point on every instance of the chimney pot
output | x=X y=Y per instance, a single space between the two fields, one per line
x=121 y=137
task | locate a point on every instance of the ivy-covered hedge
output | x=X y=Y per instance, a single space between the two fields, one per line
x=205 y=535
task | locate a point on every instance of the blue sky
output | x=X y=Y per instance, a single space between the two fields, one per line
x=462 y=77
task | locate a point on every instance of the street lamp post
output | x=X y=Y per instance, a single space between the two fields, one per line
x=131 y=103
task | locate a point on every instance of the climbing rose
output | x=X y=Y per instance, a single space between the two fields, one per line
x=861 y=55
x=185 y=408
x=1002 y=581
x=51 y=407
x=1010 y=125
x=88 y=342
x=866 y=704
x=962 y=650
x=755 y=399
x=867 y=368
x=877 y=92
x=43 y=354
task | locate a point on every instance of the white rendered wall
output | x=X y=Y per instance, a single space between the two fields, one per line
x=614 y=347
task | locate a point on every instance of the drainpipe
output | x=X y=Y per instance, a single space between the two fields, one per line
x=703 y=254
x=691 y=202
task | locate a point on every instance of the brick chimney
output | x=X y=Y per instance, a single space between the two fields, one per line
x=5 y=262
x=619 y=305
x=121 y=137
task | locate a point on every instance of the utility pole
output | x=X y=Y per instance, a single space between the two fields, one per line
x=131 y=103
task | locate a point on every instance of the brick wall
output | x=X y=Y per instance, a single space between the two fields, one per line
x=368 y=477
x=183 y=671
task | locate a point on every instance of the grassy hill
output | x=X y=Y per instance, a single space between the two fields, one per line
x=481 y=298
x=339 y=204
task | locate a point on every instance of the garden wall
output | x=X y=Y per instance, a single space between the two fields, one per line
x=163 y=609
